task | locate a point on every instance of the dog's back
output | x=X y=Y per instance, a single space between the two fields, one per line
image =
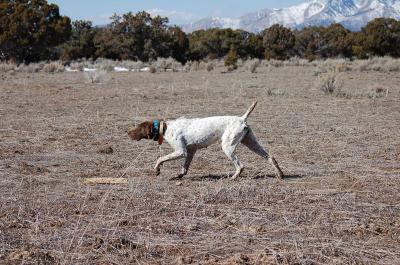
x=201 y=132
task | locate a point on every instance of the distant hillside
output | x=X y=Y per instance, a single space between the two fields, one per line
x=353 y=14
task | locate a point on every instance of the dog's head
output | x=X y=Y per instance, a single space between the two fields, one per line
x=143 y=130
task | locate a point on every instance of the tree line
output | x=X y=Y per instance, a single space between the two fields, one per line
x=34 y=30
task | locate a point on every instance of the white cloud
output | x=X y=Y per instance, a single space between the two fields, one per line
x=174 y=16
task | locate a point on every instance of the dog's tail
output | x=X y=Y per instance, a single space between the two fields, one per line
x=246 y=115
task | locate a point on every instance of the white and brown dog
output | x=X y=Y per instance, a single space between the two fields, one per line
x=187 y=135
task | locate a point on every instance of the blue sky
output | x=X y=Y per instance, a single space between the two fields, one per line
x=179 y=11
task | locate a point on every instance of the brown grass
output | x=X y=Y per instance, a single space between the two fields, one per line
x=338 y=205
x=105 y=181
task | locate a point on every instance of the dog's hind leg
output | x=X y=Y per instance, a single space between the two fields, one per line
x=251 y=142
x=188 y=161
x=230 y=141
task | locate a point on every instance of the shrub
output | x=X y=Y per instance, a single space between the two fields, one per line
x=231 y=60
x=161 y=64
x=105 y=64
x=240 y=62
x=98 y=76
x=30 y=68
x=176 y=66
x=195 y=66
x=297 y=61
x=252 y=65
x=393 y=65
x=107 y=68
x=384 y=64
x=77 y=66
x=275 y=63
x=231 y=68
x=152 y=69
x=186 y=67
x=361 y=65
x=329 y=83
x=6 y=66
x=164 y=64
x=341 y=67
x=53 y=67
x=133 y=65
x=202 y=66
x=209 y=66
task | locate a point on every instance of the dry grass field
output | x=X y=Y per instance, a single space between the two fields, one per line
x=340 y=202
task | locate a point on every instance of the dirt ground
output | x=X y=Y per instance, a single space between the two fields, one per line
x=339 y=203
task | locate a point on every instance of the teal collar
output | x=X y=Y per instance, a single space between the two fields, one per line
x=155 y=131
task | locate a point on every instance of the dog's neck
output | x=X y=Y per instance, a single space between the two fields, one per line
x=158 y=130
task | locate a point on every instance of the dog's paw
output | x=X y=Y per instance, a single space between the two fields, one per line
x=237 y=174
x=234 y=177
x=180 y=176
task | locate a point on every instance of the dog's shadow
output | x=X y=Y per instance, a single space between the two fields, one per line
x=286 y=177
x=213 y=177
x=210 y=177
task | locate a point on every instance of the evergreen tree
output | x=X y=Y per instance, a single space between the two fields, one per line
x=382 y=37
x=231 y=59
x=29 y=29
x=278 y=42
x=81 y=43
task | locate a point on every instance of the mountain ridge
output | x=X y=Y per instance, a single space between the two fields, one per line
x=352 y=14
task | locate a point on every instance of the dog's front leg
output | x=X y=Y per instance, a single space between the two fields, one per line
x=186 y=164
x=180 y=152
x=173 y=156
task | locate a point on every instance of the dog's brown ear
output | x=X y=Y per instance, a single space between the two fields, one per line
x=147 y=126
x=143 y=130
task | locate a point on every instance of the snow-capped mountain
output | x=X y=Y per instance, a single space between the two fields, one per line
x=353 y=14
x=212 y=22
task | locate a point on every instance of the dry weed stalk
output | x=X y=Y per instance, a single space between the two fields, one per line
x=329 y=83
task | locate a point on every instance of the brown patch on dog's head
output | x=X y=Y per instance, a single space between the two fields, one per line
x=143 y=130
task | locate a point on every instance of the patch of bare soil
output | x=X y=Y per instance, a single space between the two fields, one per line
x=338 y=205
